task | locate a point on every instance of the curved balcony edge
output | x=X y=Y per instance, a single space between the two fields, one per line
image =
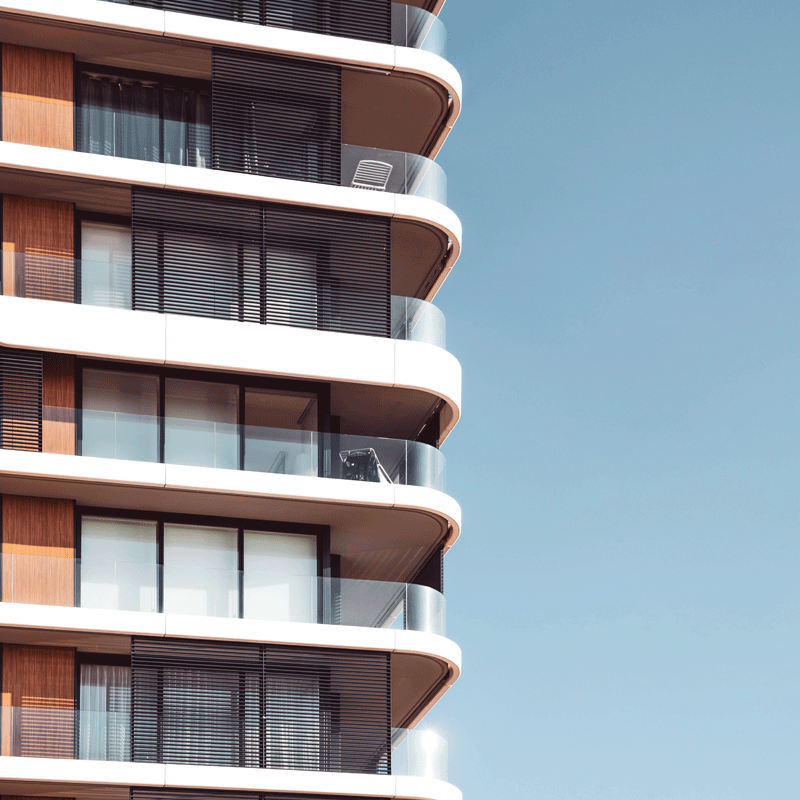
x=71 y=164
x=275 y=350
x=103 y=481
x=39 y=773
x=188 y=27
x=57 y=620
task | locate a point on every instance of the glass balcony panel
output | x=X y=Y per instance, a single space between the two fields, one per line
x=382 y=170
x=278 y=584
x=415 y=27
x=102 y=735
x=419 y=754
x=417 y=321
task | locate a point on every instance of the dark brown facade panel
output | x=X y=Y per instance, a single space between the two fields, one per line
x=37 y=97
x=58 y=401
x=38 y=550
x=38 y=248
x=38 y=701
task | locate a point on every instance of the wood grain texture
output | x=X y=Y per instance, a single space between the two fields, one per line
x=38 y=698
x=38 y=249
x=38 y=550
x=58 y=399
x=37 y=97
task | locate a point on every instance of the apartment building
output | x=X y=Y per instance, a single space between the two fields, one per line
x=223 y=392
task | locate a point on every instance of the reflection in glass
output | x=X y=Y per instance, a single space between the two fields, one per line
x=119 y=564
x=280 y=577
x=119 y=417
x=201 y=429
x=201 y=571
x=105 y=265
x=280 y=435
x=105 y=712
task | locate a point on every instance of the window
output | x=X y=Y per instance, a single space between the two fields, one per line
x=149 y=118
x=174 y=417
x=120 y=415
x=201 y=423
x=204 y=566
x=201 y=570
x=104 y=715
x=106 y=273
x=280 y=577
x=118 y=564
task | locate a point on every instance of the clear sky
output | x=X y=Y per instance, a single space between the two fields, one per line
x=626 y=589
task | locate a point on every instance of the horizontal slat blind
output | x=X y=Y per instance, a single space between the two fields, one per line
x=261 y=262
x=272 y=706
x=20 y=399
x=369 y=20
x=195 y=702
x=348 y=255
x=196 y=255
x=276 y=116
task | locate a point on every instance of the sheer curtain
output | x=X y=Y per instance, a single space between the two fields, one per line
x=187 y=127
x=292 y=729
x=120 y=117
x=105 y=712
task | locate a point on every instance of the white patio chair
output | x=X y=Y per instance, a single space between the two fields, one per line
x=372 y=175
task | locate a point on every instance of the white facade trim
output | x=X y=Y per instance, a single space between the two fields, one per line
x=236 y=483
x=43 y=771
x=63 y=619
x=276 y=350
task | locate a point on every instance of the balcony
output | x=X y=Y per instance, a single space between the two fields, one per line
x=181 y=137
x=410 y=26
x=251 y=448
x=109 y=284
x=87 y=734
x=234 y=594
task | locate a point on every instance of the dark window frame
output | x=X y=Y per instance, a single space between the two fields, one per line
x=321 y=389
x=241 y=524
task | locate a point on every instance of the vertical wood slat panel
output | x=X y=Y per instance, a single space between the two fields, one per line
x=38 y=249
x=58 y=401
x=39 y=682
x=37 y=97
x=38 y=550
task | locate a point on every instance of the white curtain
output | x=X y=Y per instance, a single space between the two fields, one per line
x=105 y=713
x=292 y=730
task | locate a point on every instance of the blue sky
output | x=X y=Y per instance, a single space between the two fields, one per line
x=625 y=589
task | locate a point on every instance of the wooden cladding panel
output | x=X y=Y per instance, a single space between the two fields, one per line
x=37 y=97
x=58 y=401
x=38 y=249
x=38 y=551
x=38 y=701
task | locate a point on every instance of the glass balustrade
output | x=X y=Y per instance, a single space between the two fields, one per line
x=88 y=734
x=199 y=591
x=109 y=284
x=392 y=171
x=417 y=28
x=126 y=586
x=144 y=136
x=220 y=445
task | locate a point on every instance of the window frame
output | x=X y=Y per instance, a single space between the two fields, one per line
x=321 y=532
